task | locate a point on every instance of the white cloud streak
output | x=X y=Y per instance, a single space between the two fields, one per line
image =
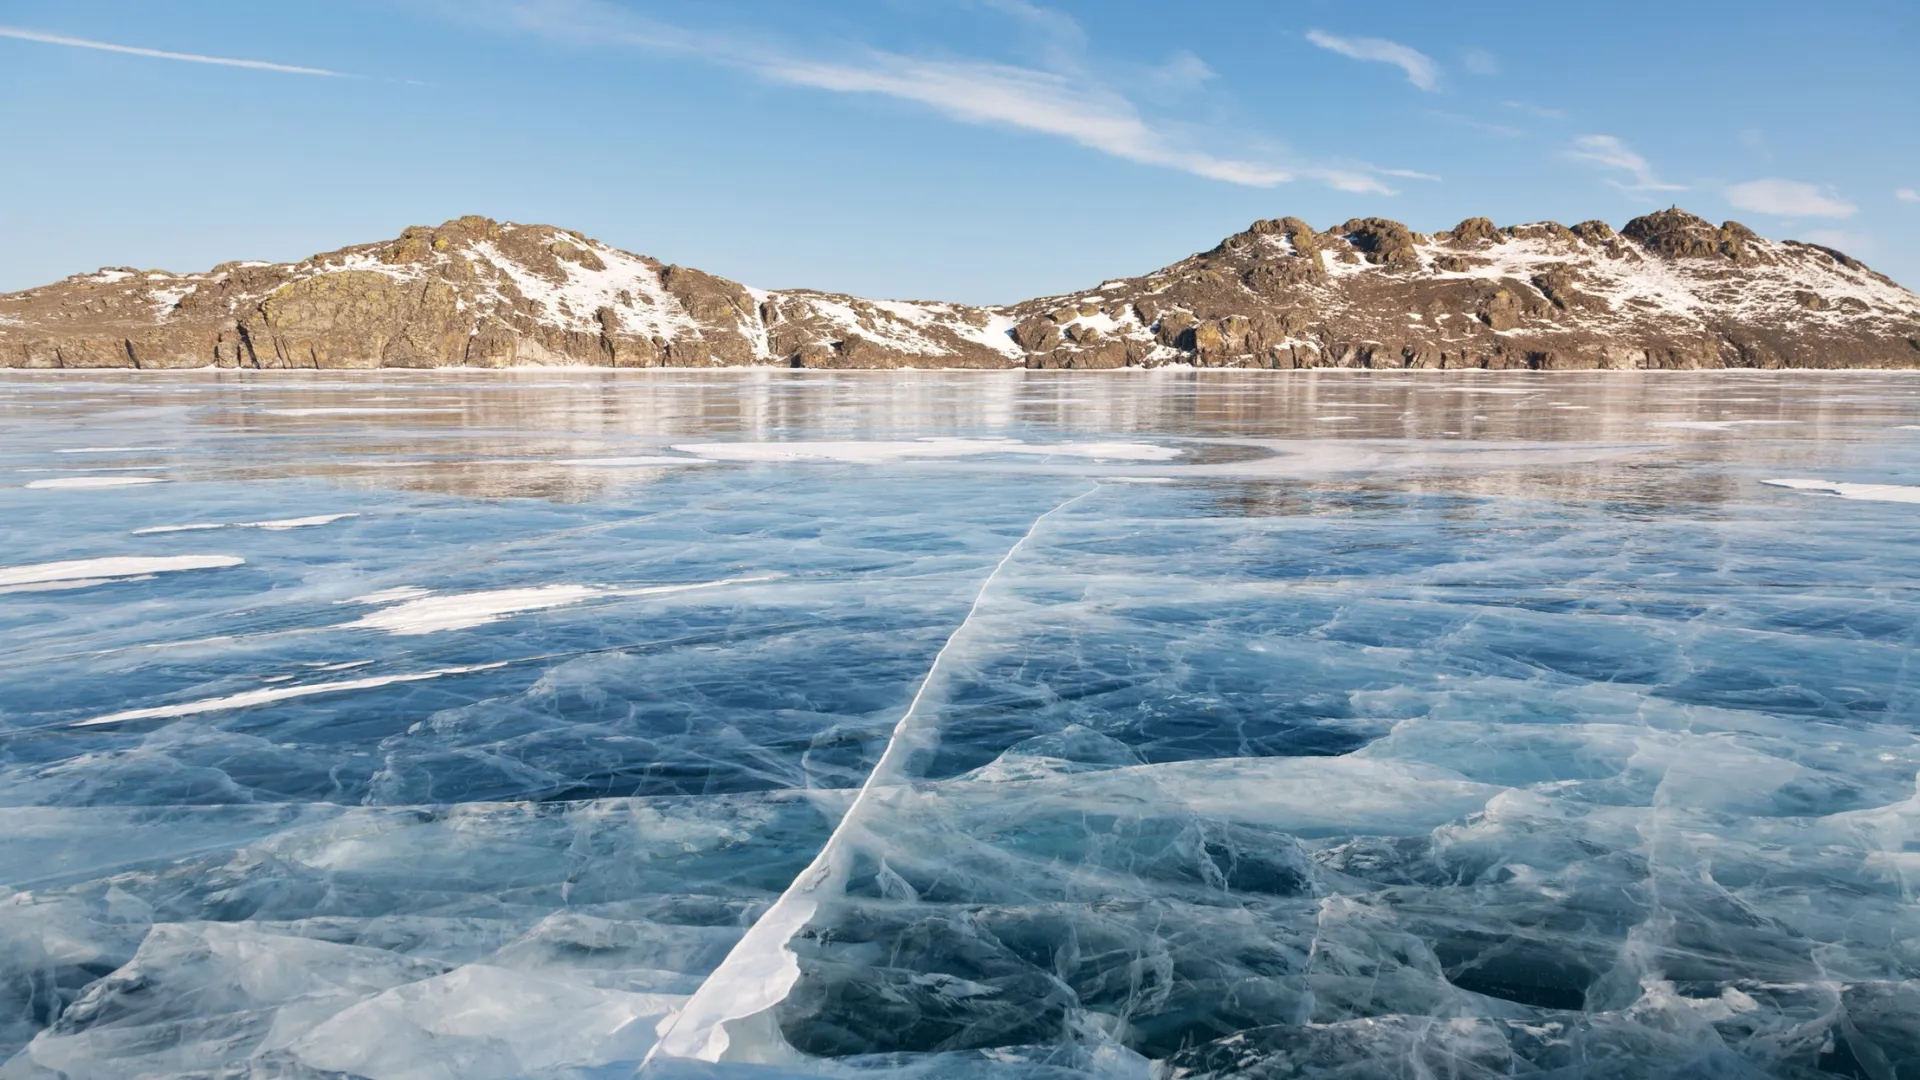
x=1420 y=68
x=1039 y=101
x=1907 y=194
x=21 y=34
x=1788 y=198
x=1540 y=111
x=1609 y=151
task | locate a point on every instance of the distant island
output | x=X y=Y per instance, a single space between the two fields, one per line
x=1669 y=290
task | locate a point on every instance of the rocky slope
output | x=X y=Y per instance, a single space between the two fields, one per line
x=1669 y=290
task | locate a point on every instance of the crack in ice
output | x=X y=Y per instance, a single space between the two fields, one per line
x=760 y=970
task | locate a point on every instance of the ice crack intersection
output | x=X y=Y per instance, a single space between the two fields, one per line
x=760 y=970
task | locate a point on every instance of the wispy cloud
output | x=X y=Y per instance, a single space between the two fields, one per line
x=1907 y=194
x=1540 y=111
x=1788 y=198
x=1609 y=151
x=1062 y=100
x=21 y=34
x=1501 y=130
x=1182 y=71
x=1420 y=68
x=1040 y=101
x=1482 y=62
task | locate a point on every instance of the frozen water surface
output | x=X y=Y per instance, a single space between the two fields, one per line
x=429 y=726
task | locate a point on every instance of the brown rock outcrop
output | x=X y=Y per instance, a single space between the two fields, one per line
x=1668 y=291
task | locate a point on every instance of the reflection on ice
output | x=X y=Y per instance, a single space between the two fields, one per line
x=878 y=452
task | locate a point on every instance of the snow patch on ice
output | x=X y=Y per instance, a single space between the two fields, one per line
x=389 y=596
x=427 y=614
x=70 y=572
x=430 y=614
x=1901 y=493
x=112 y=449
x=96 y=481
x=271 y=526
x=269 y=695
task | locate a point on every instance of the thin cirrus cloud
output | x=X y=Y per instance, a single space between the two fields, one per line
x=1907 y=194
x=1611 y=152
x=1061 y=101
x=1420 y=68
x=21 y=34
x=1788 y=198
x=1040 y=101
x=1540 y=111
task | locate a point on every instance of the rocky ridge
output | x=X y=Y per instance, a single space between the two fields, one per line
x=1668 y=290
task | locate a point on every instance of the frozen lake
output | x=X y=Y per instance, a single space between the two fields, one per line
x=464 y=726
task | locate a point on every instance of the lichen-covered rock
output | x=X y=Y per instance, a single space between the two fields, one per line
x=1037 y=334
x=1475 y=232
x=1382 y=242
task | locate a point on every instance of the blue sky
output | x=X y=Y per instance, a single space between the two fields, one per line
x=977 y=150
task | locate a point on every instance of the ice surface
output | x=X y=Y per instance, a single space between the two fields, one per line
x=1037 y=725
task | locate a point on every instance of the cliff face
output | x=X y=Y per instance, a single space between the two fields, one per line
x=1669 y=290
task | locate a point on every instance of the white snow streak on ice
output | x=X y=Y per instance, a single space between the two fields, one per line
x=431 y=614
x=389 y=596
x=97 y=571
x=96 y=481
x=249 y=698
x=271 y=526
x=113 y=449
x=761 y=970
x=1872 y=492
x=428 y=614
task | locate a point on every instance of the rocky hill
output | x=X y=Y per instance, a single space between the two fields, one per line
x=1668 y=290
